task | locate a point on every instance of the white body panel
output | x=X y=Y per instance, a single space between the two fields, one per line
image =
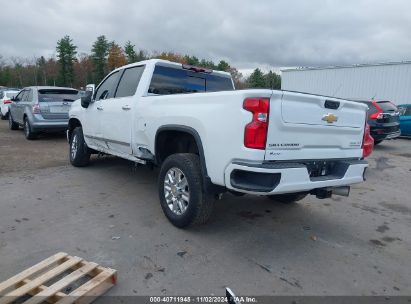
x=219 y=119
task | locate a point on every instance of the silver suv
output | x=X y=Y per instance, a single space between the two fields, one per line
x=41 y=109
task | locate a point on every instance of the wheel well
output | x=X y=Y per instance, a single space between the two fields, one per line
x=169 y=142
x=72 y=124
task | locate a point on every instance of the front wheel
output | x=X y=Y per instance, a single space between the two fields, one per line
x=79 y=152
x=288 y=198
x=181 y=191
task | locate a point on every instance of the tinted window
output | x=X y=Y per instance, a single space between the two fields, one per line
x=168 y=80
x=387 y=106
x=129 y=81
x=107 y=88
x=48 y=95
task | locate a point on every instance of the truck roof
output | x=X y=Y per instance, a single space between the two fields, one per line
x=167 y=63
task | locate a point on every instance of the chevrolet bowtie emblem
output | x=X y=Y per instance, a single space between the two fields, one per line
x=330 y=118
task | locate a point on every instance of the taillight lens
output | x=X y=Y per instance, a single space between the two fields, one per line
x=255 y=135
x=378 y=114
x=367 y=142
x=7 y=101
x=36 y=109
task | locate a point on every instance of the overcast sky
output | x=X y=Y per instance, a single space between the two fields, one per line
x=272 y=33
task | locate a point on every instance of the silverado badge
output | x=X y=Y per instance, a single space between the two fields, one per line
x=330 y=118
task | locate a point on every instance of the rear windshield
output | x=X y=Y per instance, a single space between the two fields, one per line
x=167 y=80
x=47 y=95
x=387 y=106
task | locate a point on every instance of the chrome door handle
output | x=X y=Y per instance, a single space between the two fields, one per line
x=126 y=107
x=100 y=108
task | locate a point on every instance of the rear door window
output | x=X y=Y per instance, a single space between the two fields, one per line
x=107 y=87
x=168 y=80
x=58 y=95
x=129 y=81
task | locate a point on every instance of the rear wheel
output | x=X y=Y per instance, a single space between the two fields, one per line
x=79 y=152
x=28 y=131
x=288 y=198
x=3 y=116
x=181 y=191
x=12 y=125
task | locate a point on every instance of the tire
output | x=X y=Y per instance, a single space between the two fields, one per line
x=184 y=203
x=288 y=198
x=12 y=125
x=79 y=153
x=28 y=130
x=377 y=142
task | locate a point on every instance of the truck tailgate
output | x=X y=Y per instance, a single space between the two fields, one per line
x=303 y=127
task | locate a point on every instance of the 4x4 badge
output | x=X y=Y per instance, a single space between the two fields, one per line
x=330 y=118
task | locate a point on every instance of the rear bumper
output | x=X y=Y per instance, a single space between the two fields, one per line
x=384 y=136
x=278 y=177
x=38 y=123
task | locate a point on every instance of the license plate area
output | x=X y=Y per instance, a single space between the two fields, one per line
x=59 y=109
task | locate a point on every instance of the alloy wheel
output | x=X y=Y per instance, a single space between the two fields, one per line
x=176 y=191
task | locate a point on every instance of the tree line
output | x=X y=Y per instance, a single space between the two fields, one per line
x=73 y=69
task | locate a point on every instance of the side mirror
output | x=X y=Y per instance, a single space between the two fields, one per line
x=86 y=99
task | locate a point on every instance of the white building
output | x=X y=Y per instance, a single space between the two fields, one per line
x=382 y=81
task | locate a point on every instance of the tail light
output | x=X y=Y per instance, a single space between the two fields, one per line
x=255 y=134
x=7 y=102
x=378 y=114
x=367 y=142
x=36 y=109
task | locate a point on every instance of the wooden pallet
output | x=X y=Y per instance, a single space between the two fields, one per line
x=62 y=272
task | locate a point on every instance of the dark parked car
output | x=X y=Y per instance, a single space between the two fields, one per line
x=383 y=118
x=41 y=109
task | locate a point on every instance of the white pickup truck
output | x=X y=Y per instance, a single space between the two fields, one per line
x=208 y=138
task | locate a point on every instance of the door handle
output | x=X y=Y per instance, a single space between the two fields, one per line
x=126 y=107
x=100 y=108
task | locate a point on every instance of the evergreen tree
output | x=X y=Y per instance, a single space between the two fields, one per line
x=272 y=80
x=256 y=79
x=130 y=52
x=66 y=55
x=99 y=53
x=223 y=66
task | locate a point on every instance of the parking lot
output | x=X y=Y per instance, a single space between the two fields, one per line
x=109 y=213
